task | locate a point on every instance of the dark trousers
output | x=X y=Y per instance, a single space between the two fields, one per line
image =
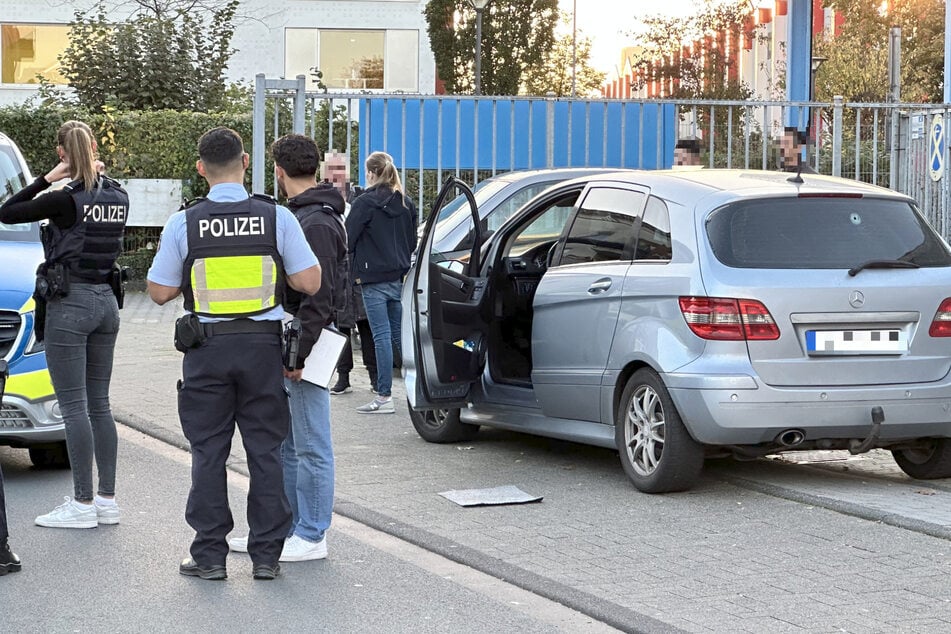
x=367 y=349
x=235 y=379
x=4 y=532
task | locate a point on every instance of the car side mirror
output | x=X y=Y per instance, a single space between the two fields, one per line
x=453 y=265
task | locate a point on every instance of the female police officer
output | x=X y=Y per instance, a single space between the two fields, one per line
x=81 y=242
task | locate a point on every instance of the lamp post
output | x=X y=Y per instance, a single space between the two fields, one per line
x=816 y=63
x=479 y=6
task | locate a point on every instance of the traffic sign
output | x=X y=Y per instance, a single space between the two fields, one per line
x=936 y=145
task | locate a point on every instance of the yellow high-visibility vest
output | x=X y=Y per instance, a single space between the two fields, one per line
x=232 y=268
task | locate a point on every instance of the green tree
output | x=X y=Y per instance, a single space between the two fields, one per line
x=515 y=36
x=857 y=58
x=701 y=74
x=167 y=55
x=552 y=74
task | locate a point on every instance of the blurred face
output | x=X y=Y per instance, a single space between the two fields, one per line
x=789 y=149
x=337 y=176
x=683 y=156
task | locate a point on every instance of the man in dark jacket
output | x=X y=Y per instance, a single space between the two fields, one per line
x=381 y=232
x=307 y=452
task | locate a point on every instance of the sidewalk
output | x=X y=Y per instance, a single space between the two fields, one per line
x=761 y=546
x=125 y=578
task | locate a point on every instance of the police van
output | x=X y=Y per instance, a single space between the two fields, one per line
x=29 y=415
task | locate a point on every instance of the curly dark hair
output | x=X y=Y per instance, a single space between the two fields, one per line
x=296 y=154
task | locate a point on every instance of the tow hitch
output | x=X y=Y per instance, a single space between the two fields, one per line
x=857 y=446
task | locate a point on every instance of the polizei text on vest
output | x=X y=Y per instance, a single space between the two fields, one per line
x=236 y=226
x=105 y=213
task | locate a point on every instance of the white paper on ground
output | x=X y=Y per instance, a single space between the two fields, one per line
x=320 y=364
x=490 y=497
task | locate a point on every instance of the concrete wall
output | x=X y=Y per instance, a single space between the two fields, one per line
x=152 y=200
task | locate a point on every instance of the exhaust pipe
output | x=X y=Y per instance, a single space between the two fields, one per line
x=791 y=438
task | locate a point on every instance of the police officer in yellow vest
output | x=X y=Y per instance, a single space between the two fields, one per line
x=230 y=256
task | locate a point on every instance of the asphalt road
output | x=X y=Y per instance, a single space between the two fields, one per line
x=836 y=543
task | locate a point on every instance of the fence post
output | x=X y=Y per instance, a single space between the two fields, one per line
x=300 y=100
x=257 y=134
x=837 y=135
x=894 y=162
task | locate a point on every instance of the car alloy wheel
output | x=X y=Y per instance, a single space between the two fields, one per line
x=645 y=430
x=657 y=452
x=441 y=425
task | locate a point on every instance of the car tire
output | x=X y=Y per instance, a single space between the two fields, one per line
x=50 y=456
x=931 y=461
x=657 y=452
x=441 y=425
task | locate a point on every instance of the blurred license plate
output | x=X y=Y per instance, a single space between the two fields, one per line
x=889 y=341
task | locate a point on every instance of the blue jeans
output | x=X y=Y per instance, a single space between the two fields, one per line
x=384 y=311
x=81 y=331
x=309 y=460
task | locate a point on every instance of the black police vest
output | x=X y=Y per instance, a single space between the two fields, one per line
x=90 y=247
x=239 y=229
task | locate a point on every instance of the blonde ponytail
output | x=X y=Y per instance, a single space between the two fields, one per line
x=76 y=139
x=381 y=165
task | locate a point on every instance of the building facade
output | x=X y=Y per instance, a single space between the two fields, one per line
x=359 y=45
x=754 y=54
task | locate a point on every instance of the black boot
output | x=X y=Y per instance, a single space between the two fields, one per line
x=342 y=386
x=373 y=377
x=9 y=562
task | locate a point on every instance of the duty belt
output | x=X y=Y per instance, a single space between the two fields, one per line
x=243 y=327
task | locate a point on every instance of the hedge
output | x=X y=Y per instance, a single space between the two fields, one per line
x=140 y=144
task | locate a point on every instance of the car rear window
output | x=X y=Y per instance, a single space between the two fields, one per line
x=822 y=233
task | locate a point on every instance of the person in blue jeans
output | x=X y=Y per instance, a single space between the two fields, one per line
x=381 y=234
x=307 y=452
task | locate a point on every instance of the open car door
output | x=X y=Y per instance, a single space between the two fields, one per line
x=444 y=316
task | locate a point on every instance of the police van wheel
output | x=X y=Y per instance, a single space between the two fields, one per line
x=441 y=425
x=50 y=456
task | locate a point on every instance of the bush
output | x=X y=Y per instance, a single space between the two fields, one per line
x=139 y=144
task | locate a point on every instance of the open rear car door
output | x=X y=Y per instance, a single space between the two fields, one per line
x=444 y=314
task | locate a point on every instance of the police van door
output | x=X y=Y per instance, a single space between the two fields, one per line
x=443 y=316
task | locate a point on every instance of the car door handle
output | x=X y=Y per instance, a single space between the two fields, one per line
x=600 y=286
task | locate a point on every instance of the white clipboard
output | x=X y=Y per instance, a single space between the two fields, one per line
x=320 y=364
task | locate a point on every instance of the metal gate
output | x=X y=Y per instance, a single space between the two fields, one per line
x=476 y=138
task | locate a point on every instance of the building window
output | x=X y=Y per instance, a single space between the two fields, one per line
x=356 y=59
x=29 y=50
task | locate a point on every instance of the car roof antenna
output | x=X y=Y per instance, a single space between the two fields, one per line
x=797 y=177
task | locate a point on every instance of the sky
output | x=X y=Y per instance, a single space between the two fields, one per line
x=606 y=21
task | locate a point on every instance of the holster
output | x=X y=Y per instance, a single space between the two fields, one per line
x=189 y=333
x=52 y=280
x=117 y=277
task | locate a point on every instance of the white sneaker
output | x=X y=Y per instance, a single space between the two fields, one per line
x=69 y=514
x=238 y=544
x=377 y=406
x=299 y=549
x=108 y=513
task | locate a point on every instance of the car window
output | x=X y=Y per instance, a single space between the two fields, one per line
x=820 y=233
x=603 y=230
x=456 y=211
x=653 y=238
x=546 y=227
x=12 y=180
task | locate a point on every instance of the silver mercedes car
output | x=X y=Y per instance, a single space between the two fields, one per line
x=677 y=315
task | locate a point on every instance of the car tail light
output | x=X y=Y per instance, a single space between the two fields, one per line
x=727 y=319
x=941 y=324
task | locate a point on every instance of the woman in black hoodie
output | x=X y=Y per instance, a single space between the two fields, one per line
x=381 y=234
